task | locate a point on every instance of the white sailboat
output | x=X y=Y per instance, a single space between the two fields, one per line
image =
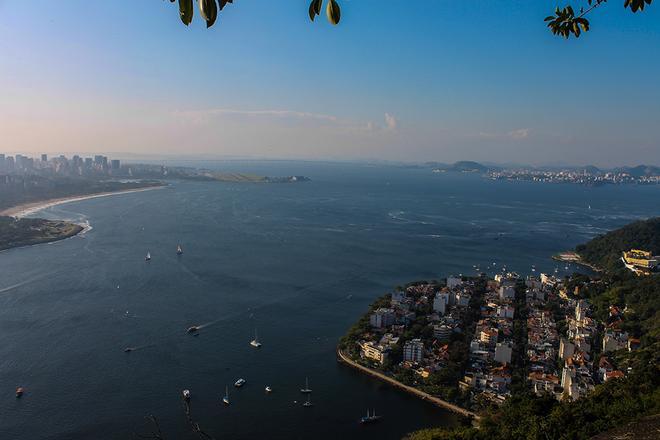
x=225 y=399
x=255 y=342
x=370 y=418
x=306 y=390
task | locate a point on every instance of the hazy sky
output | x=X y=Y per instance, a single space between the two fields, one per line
x=396 y=80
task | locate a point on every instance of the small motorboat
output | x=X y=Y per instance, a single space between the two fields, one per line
x=148 y=257
x=186 y=395
x=128 y=349
x=19 y=392
x=255 y=342
x=268 y=389
x=179 y=251
x=239 y=383
x=193 y=329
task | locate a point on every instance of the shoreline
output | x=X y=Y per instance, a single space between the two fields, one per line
x=574 y=257
x=341 y=357
x=25 y=209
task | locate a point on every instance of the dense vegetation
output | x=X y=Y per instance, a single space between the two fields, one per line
x=28 y=231
x=617 y=401
x=605 y=250
x=612 y=404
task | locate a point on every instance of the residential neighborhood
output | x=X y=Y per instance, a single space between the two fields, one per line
x=471 y=340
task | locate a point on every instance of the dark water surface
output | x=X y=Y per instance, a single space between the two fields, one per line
x=300 y=262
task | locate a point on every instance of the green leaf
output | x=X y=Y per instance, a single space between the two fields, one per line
x=333 y=12
x=186 y=11
x=209 y=11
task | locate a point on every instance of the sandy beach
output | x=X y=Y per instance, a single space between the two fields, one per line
x=32 y=207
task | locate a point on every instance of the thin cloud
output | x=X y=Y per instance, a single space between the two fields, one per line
x=520 y=133
x=517 y=134
x=205 y=115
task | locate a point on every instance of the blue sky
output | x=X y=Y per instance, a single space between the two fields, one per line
x=424 y=80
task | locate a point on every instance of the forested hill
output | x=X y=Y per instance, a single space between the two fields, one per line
x=605 y=250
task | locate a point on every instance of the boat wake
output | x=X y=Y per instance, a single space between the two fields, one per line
x=23 y=283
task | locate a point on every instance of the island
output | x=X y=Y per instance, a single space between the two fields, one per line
x=524 y=357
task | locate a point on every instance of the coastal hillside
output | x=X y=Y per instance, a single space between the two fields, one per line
x=29 y=231
x=605 y=250
x=620 y=301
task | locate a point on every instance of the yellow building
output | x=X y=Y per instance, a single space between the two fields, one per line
x=639 y=261
x=372 y=351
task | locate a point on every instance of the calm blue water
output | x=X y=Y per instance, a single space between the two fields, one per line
x=299 y=261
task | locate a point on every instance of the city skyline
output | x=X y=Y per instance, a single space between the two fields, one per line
x=486 y=83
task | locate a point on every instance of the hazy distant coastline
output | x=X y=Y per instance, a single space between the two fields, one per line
x=25 y=209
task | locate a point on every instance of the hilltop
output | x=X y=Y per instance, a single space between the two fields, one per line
x=605 y=250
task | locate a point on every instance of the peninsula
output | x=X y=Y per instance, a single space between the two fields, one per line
x=28 y=231
x=576 y=356
x=28 y=185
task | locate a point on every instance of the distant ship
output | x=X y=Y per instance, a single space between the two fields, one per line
x=255 y=342
x=186 y=395
x=19 y=392
x=269 y=389
x=193 y=329
x=225 y=399
x=179 y=251
x=239 y=383
x=148 y=257
x=370 y=418
x=306 y=389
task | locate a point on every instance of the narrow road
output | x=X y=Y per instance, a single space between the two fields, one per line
x=424 y=396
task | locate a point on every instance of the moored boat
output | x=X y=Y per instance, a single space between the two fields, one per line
x=306 y=389
x=239 y=383
x=370 y=418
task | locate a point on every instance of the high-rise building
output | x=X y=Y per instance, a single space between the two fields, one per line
x=115 y=164
x=413 y=350
x=44 y=158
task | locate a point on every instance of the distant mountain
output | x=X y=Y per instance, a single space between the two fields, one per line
x=640 y=170
x=469 y=166
x=605 y=250
x=591 y=169
x=463 y=166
